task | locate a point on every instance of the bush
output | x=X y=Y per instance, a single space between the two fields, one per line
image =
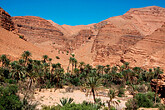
x=73 y=106
x=65 y=101
x=146 y=100
x=51 y=107
x=142 y=100
x=131 y=104
x=139 y=88
x=121 y=92
x=20 y=36
x=57 y=57
x=160 y=106
x=11 y=81
x=127 y=82
x=8 y=98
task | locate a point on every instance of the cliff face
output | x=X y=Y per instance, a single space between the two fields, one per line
x=5 y=20
x=13 y=46
x=146 y=20
x=118 y=34
x=136 y=37
x=38 y=30
x=150 y=51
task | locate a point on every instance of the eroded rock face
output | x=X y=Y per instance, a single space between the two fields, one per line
x=5 y=20
x=159 y=85
x=112 y=42
x=146 y=19
x=148 y=52
x=81 y=38
x=36 y=29
x=117 y=35
x=128 y=37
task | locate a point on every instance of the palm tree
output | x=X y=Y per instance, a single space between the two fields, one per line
x=70 y=61
x=126 y=64
x=138 y=72
x=100 y=69
x=26 y=55
x=81 y=66
x=32 y=77
x=53 y=68
x=88 y=68
x=112 y=94
x=157 y=71
x=40 y=79
x=107 y=69
x=45 y=70
x=17 y=71
x=38 y=69
x=21 y=62
x=45 y=57
x=5 y=61
x=59 y=73
x=74 y=63
x=50 y=59
x=93 y=83
x=76 y=71
x=113 y=72
x=65 y=101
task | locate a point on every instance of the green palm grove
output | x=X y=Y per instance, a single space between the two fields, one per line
x=45 y=74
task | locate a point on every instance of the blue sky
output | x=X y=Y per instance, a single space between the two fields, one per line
x=74 y=12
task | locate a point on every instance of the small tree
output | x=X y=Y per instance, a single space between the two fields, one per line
x=93 y=82
x=112 y=94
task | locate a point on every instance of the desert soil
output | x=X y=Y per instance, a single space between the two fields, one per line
x=50 y=97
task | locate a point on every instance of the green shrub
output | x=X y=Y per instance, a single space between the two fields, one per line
x=21 y=37
x=131 y=104
x=127 y=82
x=73 y=106
x=160 y=106
x=121 y=92
x=51 y=107
x=142 y=100
x=8 y=98
x=11 y=81
x=65 y=101
x=57 y=57
x=146 y=99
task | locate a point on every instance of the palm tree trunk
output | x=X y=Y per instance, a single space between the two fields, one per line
x=109 y=105
x=39 y=86
x=156 y=91
x=72 y=67
x=30 y=84
x=93 y=92
x=68 y=68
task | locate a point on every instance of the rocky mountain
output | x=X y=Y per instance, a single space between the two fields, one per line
x=117 y=35
x=136 y=37
x=13 y=46
x=150 y=51
x=45 y=33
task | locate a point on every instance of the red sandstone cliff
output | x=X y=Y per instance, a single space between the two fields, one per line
x=137 y=37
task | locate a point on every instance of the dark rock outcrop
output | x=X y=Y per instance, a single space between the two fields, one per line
x=158 y=85
x=5 y=20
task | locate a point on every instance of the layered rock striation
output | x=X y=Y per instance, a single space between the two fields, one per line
x=5 y=20
x=136 y=37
